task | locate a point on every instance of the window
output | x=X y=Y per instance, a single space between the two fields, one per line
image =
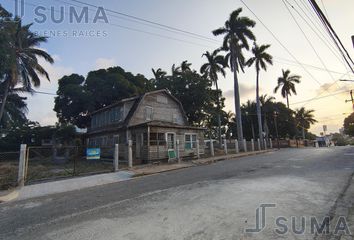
x=174 y=118
x=148 y=113
x=161 y=99
x=190 y=141
x=157 y=139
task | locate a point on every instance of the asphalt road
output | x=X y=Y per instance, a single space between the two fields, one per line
x=216 y=201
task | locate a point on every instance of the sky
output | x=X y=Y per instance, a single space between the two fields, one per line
x=80 y=47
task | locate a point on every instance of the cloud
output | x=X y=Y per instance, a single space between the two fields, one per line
x=41 y=106
x=334 y=87
x=105 y=63
x=245 y=91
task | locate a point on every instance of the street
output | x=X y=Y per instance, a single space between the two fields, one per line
x=216 y=201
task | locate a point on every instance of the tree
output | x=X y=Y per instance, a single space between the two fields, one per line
x=304 y=118
x=349 y=125
x=260 y=59
x=23 y=52
x=15 y=109
x=77 y=96
x=287 y=85
x=236 y=33
x=215 y=64
x=194 y=92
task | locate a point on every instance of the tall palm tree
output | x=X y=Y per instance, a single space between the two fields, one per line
x=215 y=64
x=24 y=68
x=236 y=33
x=159 y=73
x=287 y=84
x=185 y=66
x=304 y=118
x=260 y=59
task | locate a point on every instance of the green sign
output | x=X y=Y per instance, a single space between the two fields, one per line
x=172 y=154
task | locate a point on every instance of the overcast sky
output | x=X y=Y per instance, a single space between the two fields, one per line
x=139 y=47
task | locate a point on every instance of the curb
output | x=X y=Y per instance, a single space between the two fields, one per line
x=9 y=196
x=195 y=163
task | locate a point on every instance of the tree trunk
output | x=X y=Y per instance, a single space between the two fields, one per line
x=259 y=114
x=218 y=115
x=253 y=135
x=303 y=133
x=6 y=93
x=287 y=100
x=237 y=106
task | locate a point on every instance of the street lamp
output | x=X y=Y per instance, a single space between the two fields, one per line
x=275 y=115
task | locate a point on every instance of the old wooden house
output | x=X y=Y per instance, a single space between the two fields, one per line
x=155 y=122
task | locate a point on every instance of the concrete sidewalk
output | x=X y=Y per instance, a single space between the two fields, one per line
x=47 y=188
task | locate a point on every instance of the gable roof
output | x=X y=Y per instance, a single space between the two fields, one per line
x=137 y=102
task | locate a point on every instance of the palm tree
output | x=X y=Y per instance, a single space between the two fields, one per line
x=304 y=118
x=266 y=102
x=260 y=59
x=185 y=66
x=287 y=84
x=24 y=68
x=236 y=33
x=215 y=64
x=159 y=73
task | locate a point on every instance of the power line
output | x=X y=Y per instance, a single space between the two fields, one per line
x=146 y=20
x=307 y=39
x=317 y=98
x=332 y=33
x=135 y=29
x=281 y=44
x=142 y=23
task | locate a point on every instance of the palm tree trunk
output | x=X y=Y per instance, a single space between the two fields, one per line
x=259 y=115
x=287 y=100
x=3 y=103
x=253 y=135
x=303 y=133
x=219 y=113
x=237 y=107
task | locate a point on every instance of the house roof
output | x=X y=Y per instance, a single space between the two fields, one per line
x=137 y=101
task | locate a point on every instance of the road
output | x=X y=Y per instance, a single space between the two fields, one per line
x=216 y=201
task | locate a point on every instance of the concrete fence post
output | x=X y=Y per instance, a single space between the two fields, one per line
x=130 y=153
x=237 y=150
x=252 y=145
x=177 y=151
x=259 y=145
x=316 y=145
x=270 y=143
x=265 y=144
x=244 y=145
x=225 y=146
x=212 y=147
x=22 y=166
x=198 y=152
x=116 y=157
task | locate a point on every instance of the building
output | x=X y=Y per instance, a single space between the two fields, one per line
x=155 y=122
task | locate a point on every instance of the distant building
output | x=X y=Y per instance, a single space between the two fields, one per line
x=154 y=121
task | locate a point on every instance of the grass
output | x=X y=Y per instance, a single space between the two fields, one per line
x=47 y=170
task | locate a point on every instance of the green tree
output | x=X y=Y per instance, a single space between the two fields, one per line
x=215 y=64
x=236 y=31
x=260 y=59
x=194 y=92
x=349 y=125
x=304 y=119
x=22 y=61
x=77 y=96
x=287 y=84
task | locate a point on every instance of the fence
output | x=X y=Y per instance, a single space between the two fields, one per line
x=47 y=163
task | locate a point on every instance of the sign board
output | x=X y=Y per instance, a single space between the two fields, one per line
x=93 y=153
x=171 y=154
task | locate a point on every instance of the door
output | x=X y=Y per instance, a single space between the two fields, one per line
x=171 y=141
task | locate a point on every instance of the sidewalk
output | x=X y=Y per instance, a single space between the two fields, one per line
x=47 y=188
